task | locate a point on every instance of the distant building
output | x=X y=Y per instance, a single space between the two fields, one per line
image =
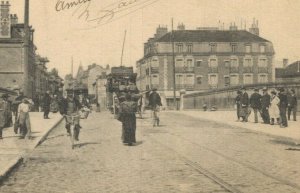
x=289 y=72
x=12 y=53
x=204 y=59
x=41 y=75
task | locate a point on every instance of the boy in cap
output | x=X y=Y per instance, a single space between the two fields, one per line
x=292 y=105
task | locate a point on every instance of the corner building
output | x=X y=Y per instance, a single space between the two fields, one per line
x=206 y=58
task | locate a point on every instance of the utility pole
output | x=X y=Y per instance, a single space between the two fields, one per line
x=174 y=71
x=123 y=48
x=26 y=49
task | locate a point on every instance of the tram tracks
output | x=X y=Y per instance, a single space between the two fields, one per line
x=269 y=181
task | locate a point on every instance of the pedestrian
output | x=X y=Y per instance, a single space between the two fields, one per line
x=46 y=104
x=244 y=111
x=5 y=113
x=54 y=106
x=36 y=102
x=255 y=103
x=16 y=102
x=265 y=105
x=274 y=108
x=292 y=105
x=155 y=104
x=24 y=118
x=127 y=116
x=70 y=107
x=140 y=106
x=238 y=104
x=282 y=107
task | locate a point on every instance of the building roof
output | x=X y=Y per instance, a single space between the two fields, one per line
x=211 y=36
x=292 y=70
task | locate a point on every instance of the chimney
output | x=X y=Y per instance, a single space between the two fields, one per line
x=285 y=62
x=160 y=31
x=5 y=24
x=181 y=26
x=254 y=28
x=233 y=27
x=13 y=19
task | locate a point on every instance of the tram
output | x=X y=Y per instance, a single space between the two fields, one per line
x=120 y=81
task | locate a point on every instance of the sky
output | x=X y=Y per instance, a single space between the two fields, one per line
x=62 y=34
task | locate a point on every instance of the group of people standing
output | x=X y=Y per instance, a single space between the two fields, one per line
x=20 y=108
x=275 y=107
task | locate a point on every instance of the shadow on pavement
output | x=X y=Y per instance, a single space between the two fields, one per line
x=79 y=145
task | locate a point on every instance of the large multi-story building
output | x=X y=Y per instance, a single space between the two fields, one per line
x=12 y=53
x=204 y=59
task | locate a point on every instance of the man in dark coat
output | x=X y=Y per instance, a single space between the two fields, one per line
x=70 y=107
x=238 y=104
x=255 y=103
x=265 y=104
x=155 y=103
x=46 y=104
x=292 y=105
x=282 y=107
x=5 y=113
x=244 y=105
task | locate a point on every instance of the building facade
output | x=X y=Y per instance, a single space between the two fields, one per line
x=204 y=59
x=12 y=51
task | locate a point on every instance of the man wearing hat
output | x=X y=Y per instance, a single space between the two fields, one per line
x=265 y=105
x=244 y=105
x=70 y=107
x=282 y=107
x=155 y=103
x=5 y=113
x=255 y=103
x=46 y=104
x=292 y=105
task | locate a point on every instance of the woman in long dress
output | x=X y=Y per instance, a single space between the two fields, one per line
x=274 y=108
x=127 y=116
x=24 y=119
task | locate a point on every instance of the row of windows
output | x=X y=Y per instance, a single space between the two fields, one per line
x=213 y=63
x=233 y=79
x=213 y=48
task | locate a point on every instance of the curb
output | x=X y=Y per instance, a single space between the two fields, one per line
x=9 y=168
x=18 y=160
x=45 y=135
x=295 y=141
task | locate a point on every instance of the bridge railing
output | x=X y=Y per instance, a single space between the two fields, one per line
x=224 y=98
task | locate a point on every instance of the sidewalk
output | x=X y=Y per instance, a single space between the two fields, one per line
x=13 y=149
x=292 y=132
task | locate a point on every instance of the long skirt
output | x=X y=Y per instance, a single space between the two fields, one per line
x=24 y=122
x=128 y=128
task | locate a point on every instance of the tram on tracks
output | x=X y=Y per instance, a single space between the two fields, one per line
x=120 y=81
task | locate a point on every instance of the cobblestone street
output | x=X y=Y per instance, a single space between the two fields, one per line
x=179 y=156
